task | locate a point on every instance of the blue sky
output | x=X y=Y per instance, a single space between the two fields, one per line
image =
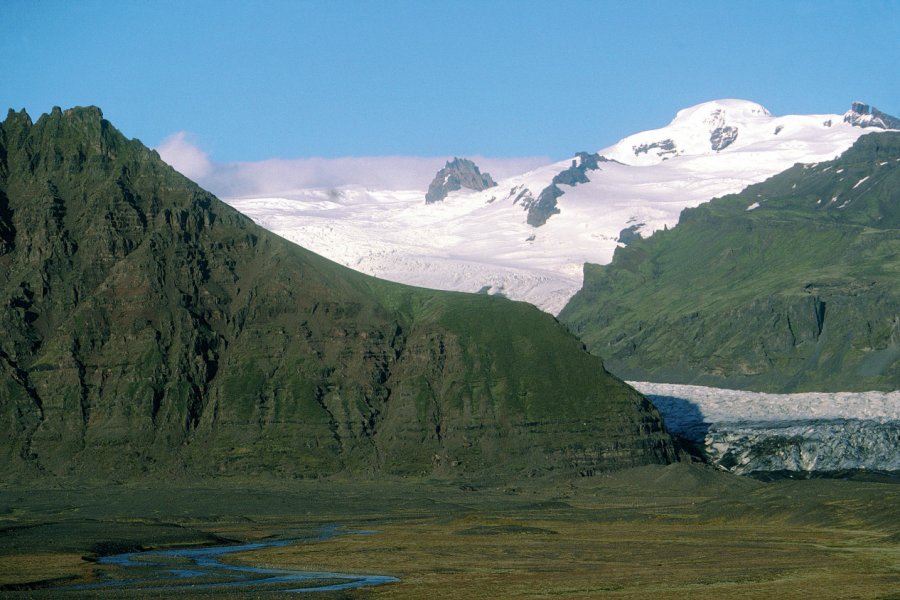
x=249 y=81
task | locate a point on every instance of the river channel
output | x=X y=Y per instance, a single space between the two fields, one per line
x=198 y=568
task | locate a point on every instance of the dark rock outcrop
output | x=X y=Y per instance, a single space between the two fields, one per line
x=545 y=206
x=457 y=174
x=863 y=115
x=665 y=148
x=722 y=137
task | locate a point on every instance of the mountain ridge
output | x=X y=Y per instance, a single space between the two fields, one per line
x=153 y=331
x=789 y=285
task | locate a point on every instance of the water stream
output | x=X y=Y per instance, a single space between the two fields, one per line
x=198 y=568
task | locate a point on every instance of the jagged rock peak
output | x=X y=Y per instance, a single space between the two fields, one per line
x=863 y=115
x=457 y=174
x=21 y=117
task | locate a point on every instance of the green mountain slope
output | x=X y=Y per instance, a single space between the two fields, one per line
x=150 y=329
x=793 y=284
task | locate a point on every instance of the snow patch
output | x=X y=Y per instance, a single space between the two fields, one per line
x=753 y=206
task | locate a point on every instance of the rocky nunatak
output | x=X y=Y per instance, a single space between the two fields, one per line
x=457 y=174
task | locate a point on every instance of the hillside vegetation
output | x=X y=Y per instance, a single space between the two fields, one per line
x=793 y=284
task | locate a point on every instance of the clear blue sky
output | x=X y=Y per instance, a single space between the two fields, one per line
x=257 y=80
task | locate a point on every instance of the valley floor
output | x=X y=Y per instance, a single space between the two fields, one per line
x=681 y=531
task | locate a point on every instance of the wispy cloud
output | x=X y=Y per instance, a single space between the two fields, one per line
x=282 y=176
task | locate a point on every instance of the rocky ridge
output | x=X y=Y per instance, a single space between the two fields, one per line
x=863 y=115
x=457 y=174
x=545 y=206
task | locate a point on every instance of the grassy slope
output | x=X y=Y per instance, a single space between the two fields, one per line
x=801 y=293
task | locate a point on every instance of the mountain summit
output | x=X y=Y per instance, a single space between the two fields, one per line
x=148 y=329
x=457 y=174
x=706 y=128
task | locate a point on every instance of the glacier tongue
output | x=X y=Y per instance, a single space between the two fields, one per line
x=815 y=446
x=756 y=433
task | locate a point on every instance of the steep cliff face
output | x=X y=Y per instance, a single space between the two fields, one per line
x=790 y=285
x=149 y=329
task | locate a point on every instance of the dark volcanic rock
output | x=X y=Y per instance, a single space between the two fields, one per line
x=545 y=206
x=665 y=147
x=577 y=172
x=149 y=330
x=862 y=115
x=722 y=137
x=457 y=174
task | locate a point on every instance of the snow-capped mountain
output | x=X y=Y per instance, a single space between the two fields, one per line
x=529 y=236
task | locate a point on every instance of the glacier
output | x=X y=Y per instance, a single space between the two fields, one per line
x=481 y=240
x=754 y=433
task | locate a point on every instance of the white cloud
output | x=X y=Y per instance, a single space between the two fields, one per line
x=283 y=176
x=185 y=156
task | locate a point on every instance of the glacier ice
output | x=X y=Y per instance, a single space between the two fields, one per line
x=808 y=433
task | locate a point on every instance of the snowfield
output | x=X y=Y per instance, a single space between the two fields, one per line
x=480 y=241
x=752 y=432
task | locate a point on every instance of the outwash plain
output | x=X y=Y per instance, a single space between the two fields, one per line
x=677 y=531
